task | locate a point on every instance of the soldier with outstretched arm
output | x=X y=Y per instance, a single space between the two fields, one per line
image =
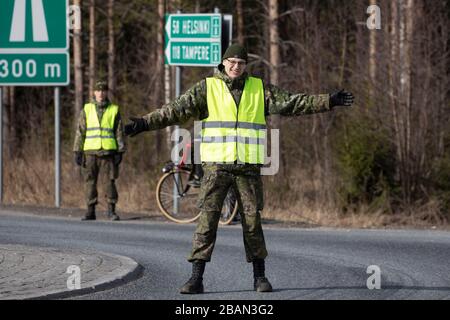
x=233 y=107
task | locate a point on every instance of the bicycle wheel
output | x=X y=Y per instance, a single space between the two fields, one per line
x=229 y=208
x=175 y=198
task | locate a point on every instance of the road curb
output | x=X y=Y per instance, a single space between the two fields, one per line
x=134 y=274
x=128 y=270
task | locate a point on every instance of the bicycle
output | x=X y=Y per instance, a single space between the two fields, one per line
x=174 y=185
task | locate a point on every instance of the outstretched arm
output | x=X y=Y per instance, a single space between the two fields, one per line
x=282 y=102
x=191 y=104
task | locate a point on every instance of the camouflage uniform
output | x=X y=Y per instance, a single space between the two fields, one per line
x=94 y=160
x=218 y=178
x=216 y=181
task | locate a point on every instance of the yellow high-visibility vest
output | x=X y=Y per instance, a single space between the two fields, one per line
x=230 y=133
x=98 y=136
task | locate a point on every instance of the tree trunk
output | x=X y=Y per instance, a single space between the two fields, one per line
x=92 y=49
x=6 y=121
x=5 y=96
x=274 y=49
x=240 y=22
x=372 y=61
x=402 y=21
x=274 y=41
x=405 y=81
x=78 y=67
x=111 y=50
x=197 y=6
x=393 y=80
x=405 y=35
x=343 y=59
x=168 y=87
x=12 y=131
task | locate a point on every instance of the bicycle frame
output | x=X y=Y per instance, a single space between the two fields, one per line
x=170 y=168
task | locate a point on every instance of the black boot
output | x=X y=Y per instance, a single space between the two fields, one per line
x=90 y=215
x=195 y=283
x=261 y=284
x=112 y=212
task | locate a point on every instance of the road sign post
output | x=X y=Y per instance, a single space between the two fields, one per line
x=34 y=51
x=57 y=147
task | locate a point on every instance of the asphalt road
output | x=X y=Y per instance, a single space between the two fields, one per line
x=302 y=263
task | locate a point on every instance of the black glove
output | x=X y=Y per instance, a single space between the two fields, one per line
x=79 y=158
x=137 y=126
x=117 y=159
x=341 y=98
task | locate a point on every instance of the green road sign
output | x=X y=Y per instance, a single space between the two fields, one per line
x=194 y=53
x=193 y=39
x=34 y=69
x=34 y=42
x=198 y=26
x=35 y=24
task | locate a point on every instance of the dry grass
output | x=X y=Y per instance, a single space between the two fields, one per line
x=425 y=216
x=31 y=182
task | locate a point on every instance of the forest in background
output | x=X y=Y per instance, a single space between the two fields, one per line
x=384 y=161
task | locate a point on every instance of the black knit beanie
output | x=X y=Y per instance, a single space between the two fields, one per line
x=236 y=51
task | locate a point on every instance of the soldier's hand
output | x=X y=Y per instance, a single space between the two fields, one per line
x=117 y=159
x=137 y=126
x=78 y=158
x=341 y=98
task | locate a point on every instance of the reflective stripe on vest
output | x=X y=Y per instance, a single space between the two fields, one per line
x=98 y=136
x=232 y=134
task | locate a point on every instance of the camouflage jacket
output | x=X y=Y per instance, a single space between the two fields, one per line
x=192 y=104
x=80 y=133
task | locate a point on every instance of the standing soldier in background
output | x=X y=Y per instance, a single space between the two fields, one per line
x=99 y=142
x=233 y=107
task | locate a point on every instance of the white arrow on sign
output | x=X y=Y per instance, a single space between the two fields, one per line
x=169 y=21
x=168 y=55
x=40 y=33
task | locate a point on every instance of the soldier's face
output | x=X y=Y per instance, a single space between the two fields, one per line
x=234 y=67
x=100 y=95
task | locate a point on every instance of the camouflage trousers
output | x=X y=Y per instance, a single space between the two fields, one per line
x=217 y=180
x=92 y=165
